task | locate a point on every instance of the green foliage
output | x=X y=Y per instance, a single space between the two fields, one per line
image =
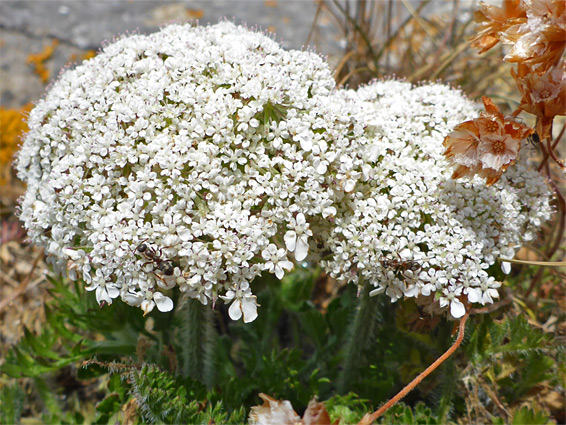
x=196 y=338
x=73 y=317
x=403 y=414
x=12 y=399
x=197 y=366
x=109 y=407
x=526 y=415
x=347 y=409
x=514 y=357
x=162 y=398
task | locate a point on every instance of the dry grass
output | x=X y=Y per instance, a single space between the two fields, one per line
x=409 y=40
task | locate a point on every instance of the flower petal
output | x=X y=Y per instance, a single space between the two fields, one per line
x=249 y=309
x=302 y=248
x=457 y=309
x=290 y=240
x=102 y=295
x=162 y=302
x=235 y=311
x=474 y=295
x=132 y=299
x=147 y=306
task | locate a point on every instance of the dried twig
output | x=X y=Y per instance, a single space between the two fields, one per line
x=534 y=263
x=22 y=287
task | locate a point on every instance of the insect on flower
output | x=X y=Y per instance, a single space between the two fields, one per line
x=167 y=267
x=534 y=139
x=400 y=266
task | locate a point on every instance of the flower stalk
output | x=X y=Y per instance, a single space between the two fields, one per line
x=368 y=419
x=359 y=332
x=198 y=337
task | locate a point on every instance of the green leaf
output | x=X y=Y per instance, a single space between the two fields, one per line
x=107 y=408
x=313 y=324
x=403 y=414
x=49 y=398
x=526 y=415
x=40 y=345
x=12 y=398
x=348 y=409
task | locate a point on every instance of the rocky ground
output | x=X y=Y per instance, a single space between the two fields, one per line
x=39 y=38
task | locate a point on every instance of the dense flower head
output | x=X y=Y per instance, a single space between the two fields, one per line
x=409 y=229
x=201 y=157
x=540 y=39
x=180 y=159
x=493 y=21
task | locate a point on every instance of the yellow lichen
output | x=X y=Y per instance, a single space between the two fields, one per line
x=37 y=60
x=89 y=54
x=12 y=126
x=194 y=13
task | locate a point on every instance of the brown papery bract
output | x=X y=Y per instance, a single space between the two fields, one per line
x=493 y=20
x=541 y=40
x=281 y=412
x=543 y=95
x=485 y=146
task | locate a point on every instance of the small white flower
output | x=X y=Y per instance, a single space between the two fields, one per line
x=244 y=305
x=485 y=293
x=151 y=300
x=297 y=240
x=449 y=297
x=105 y=291
x=276 y=260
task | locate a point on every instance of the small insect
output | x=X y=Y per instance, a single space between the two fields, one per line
x=533 y=138
x=167 y=267
x=400 y=266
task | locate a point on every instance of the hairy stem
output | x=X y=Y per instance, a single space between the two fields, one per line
x=197 y=336
x=358 y=334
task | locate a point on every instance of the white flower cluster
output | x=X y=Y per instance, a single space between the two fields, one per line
x=411 y=231
x=201 y=157
x=194 y=157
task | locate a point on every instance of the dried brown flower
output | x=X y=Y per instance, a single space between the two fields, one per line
x=273 y=411
x=541 y=39
x=493 y=20
x=543 y=95
x=485 y=146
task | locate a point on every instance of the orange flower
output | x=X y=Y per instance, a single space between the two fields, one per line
x=540 y=40
x=543 y=95
x=486 y=146
x=492 y=21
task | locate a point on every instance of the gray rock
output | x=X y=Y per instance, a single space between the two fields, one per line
x=27 y=27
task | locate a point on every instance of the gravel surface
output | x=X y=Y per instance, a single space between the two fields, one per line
x=28 y=27
x=79 y=26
